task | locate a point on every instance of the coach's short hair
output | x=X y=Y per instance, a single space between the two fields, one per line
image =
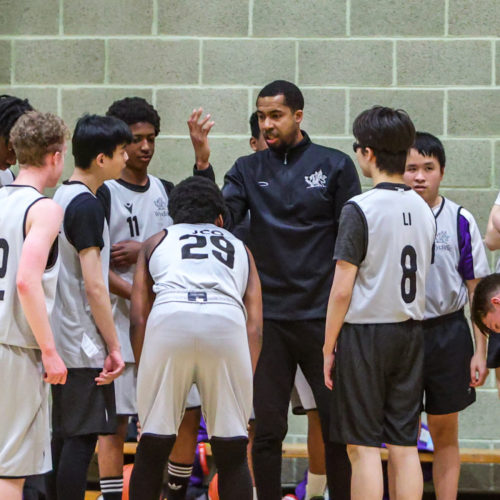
x=429 y=145
x=11 y=108
x=134 y=110
x=96 y=134
x=389 y=133
x=292 y=95
x=35 y=134
x=195 y=200
x=485 y=290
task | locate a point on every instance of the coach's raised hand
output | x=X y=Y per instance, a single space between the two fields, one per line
x=198 y=131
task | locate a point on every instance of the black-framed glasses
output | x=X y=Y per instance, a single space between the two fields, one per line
x=356 y=146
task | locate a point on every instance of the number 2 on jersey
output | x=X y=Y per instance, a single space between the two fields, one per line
x=409 y=279
x=224 y=249
x=4 y=248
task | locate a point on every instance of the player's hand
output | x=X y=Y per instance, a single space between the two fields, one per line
x=113 y=368
x=55 y=371
x=198 y=131
x=328 y=362
x=478 y=370
x=125 y=253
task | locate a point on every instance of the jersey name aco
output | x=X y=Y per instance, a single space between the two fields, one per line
x=390 y=284
x=135 y=213
x=15 y=201
x=77 y=338
x=199 y=263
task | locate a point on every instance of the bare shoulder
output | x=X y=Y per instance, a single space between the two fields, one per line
x=152 y=242
x=45 y=213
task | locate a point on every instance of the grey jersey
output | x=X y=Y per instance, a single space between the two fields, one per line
x=199 y=263
x=78 y=340
x=6 y=177
x=459 y=256
x=135 y=213
x=390 y=284
x=15 y=201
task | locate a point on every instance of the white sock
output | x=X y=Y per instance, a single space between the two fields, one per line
x=316 y=485
x=254 y=493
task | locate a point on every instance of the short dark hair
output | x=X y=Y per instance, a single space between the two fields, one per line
x=481 y=303
x=195 y=200
x=134 y=110
x=96 y=134
x=254 y=125
x=429 y=145
x=389 y=132
x=11 y=108
x=293 y=97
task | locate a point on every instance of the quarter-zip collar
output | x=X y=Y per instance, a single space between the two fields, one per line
x=291 y=152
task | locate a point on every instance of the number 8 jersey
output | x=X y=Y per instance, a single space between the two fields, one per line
x=399 y=232
x=199 y=263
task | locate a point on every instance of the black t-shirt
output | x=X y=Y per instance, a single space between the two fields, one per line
x=84 y=222
x=352 y=238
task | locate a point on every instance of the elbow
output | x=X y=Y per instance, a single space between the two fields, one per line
x=490 y=243
x=24 y=286
x=341 y=296
x=254 y=332
x=95 y=291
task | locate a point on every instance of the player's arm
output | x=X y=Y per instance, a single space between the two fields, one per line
x=125 y=253
x=253 y=304
x=142 y=297
x=492 y=237
x=198 y=131
x=42 y=226
x=100 y=307
x=338 y=304
x=478 y=369
x=119 y=286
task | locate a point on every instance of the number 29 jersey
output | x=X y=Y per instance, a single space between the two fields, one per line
x=399 y=236
x=199 y=263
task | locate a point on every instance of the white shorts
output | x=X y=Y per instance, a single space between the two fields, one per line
x=24 y=413
x=125 y=391
x=302 y=397
x=202 y=344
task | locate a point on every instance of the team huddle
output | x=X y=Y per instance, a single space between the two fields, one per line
x=127 y=295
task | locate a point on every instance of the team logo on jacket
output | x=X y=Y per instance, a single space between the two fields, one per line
x=316 y=180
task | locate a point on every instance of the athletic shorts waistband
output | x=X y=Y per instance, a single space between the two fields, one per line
x=443 y=319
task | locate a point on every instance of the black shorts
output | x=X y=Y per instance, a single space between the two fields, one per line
x=80 y=407
x=377 y=382
x=493 y=360
x=448 y=351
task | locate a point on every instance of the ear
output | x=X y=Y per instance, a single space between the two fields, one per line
x=495 y=300
x=368 y=153
x=298 y=115
x=219 y=222
x=253 y=143
x=99 y=159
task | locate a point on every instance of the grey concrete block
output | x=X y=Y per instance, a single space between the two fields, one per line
x=447 y=62
x=174 y=158
x=474 y=113
x=397 y=18
x=297 y=425
x=497 y=69
x=476 y=478
x=5 y=65
x=41 y=99
x=496 y=166
x=29 y=17
x=425 y=107
x=76 y=102
x=228 y=107
x=322 y=18
x=345 y=62
x=324 y=111
x=112 y=17
x=249 y=62
x=153 y=61
x=474 y=18
x=59 y=61
x=468 y=164
x=199 y=18
x=480 y=420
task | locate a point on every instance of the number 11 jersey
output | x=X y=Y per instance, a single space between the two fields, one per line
x=392 y=245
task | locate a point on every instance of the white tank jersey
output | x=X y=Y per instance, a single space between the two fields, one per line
x=78 y=340
x=135 y=213
x=15 y=201
x=390 y=284
x=459 y=256
x=199 y=263
x=6 y=177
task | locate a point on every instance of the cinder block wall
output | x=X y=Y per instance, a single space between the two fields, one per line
x=438 y=59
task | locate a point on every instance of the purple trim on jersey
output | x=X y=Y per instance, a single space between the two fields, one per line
x=465 y=264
